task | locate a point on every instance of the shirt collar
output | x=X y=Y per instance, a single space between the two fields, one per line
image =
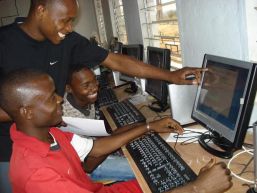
x=83 y=110
x=22 y=140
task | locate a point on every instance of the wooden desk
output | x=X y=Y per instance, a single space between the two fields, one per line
x=195 y=156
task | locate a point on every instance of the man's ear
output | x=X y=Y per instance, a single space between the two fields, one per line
x=26 y=112
x=40 y=11
x=68 y=88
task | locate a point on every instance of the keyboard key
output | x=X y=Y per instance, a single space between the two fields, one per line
x=103 y=80
x=106 y=96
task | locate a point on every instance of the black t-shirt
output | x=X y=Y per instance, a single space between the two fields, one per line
x=18 y=50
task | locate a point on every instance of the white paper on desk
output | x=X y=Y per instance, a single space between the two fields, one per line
x=186 y=135
x=83 y=126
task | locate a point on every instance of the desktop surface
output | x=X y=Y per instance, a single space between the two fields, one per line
x=196 y=157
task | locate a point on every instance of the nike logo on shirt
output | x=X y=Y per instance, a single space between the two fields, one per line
x=52 y=63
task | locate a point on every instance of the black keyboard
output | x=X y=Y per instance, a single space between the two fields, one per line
x=103 y=80
x=106 y=96
x=125 y=113
x=162 y=168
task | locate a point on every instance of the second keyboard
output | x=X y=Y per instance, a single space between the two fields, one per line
x=106 y=96
x=124 y=113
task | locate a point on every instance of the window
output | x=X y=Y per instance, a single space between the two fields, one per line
x=100 y=22
x=119 y=21
x=160 y=27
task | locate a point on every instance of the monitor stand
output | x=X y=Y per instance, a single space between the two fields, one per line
x=226 y=152
x=158 y=107
x=251 y=190
x=132 y=89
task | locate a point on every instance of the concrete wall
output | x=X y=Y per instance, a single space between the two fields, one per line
x=226 y=28
x=107 y=21
x=132 y=22
x=10 y=9
x=251 y=21
x=86 y=23
x=216 y=27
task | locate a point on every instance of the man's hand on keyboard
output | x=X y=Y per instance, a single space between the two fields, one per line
x=166 y=125
x=213 y=178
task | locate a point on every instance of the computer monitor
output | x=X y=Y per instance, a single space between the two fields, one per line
x=135 y=51
x=116 y=48
x=224 y=103
x=158 y=57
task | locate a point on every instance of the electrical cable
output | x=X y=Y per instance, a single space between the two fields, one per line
x=249 y=150
x=234 y=174
x=187 y=138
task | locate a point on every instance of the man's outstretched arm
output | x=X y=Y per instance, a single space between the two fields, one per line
x=133 y=67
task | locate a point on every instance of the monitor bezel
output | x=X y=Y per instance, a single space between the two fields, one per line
x=161 y=98
x=117 y=48
x=139 y=47
x=235 y=136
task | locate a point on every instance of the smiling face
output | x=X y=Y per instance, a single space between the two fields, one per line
x=83 y=87
x=45 y=106
x=29 y=98
x=55 y=19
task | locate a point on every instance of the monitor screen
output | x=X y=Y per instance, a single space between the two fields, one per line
x=135 y=51
x=225 y=98
x=158 y=57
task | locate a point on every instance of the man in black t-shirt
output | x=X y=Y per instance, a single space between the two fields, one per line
x=46 y=41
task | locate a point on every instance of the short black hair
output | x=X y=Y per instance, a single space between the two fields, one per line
x=75 y=68
x=35 y=3
x=11 y=99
